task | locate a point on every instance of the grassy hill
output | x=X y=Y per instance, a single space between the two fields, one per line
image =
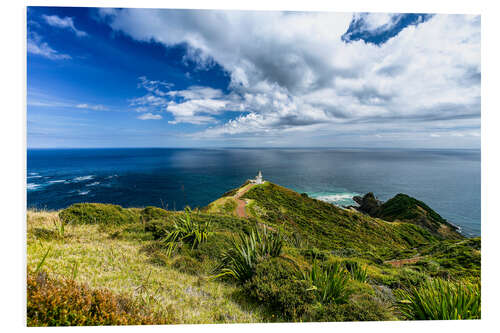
x=407 y=209
x=292 y=258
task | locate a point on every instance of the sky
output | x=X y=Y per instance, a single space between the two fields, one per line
x=103 y=77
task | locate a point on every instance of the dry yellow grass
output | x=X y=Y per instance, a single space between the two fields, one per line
x=123 y=266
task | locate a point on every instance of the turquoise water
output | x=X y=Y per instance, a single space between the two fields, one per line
x=449 y=181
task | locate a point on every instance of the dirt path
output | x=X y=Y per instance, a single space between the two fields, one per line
x=240 y=209
x=401 y=262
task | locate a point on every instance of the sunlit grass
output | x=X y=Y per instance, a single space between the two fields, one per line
x=438 y=299
x=90 y=255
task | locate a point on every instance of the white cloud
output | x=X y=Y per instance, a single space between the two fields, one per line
x=155 y=87
x=92 y=107
x=63 y=23
x=35 y=45
x=195 y=105
x=292 y=72
x=149 y=116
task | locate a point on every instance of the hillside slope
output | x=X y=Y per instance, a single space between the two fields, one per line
x=134 y=256
x=404 y=208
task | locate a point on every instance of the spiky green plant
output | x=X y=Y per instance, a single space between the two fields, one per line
x=358 y=272
x=40 y=264
x=188 y=231
x=330 y=284
x=438 y=299
x=240 y=260
x=59 y=227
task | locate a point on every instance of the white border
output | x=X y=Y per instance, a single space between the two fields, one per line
x=13 y=131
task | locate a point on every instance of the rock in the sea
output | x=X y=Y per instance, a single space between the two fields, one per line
x=368 y=204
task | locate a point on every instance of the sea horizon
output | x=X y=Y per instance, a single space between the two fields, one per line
x=179 y=177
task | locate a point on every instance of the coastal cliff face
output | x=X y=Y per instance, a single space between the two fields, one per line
x=407 y=209
x=288 y=240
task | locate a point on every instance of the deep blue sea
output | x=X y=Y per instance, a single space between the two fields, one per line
x=449 y=181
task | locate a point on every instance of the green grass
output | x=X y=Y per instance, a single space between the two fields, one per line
x=122 y=266
x=358 y=272
x=326 y=226
x=294 y=259
x=330 y=283
x=405 y=208
x=96 y=213
x=187 y=231
x=438 y=299
x=241 y=258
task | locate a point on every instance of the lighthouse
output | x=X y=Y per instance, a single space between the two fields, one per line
x=258 y=179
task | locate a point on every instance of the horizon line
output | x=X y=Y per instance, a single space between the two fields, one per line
x=273 y=147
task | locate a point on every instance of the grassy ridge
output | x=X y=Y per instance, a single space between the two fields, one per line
x=306 y=261
x=326 y=226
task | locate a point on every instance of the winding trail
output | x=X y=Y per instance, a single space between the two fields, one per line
x=240 y=209
x=401 y=262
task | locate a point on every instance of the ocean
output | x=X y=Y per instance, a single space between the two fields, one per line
x=449 y=181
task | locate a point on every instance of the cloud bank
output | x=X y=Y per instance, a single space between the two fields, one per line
x=293 y=72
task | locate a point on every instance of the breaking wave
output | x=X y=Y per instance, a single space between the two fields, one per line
x=341 y=199
x=83 y=178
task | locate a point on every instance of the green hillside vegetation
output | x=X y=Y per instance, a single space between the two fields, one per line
x=407 y=209
x=293 y=258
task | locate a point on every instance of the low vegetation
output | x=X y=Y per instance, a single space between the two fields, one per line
x=185 y=230
x=441 y=300
x=293 y=259
x=240 y=260
x=330 y=283
x=64 y=302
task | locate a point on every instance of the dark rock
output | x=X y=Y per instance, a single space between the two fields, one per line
x=368 y=204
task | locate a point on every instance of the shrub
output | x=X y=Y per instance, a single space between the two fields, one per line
x=159 y=228
x=229 y=206
x=186 y=264
x=363 y=308
x=358 y=272
x=330 y=284
x=276 y=283
x=54 y=302
x=96 y=213
x=154 y=213
x=187 y=231
x=440 y=300
x=240 y=260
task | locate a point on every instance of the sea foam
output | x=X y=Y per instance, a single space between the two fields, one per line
x=343 y=198
x=83 y=178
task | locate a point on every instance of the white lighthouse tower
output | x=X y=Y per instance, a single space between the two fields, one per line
x=258 y=179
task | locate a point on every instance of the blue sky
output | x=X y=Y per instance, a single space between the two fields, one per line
x=192 y=78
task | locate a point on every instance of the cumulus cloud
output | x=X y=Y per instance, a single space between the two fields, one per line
x=35 y=45
x=195 y=105
x=293 y=72
x=149 y=116
x=63 y=23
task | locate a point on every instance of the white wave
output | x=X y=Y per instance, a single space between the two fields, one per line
x=32 y=186
x=57 y=181
x=34 y=176
x=112 y=176
x=33 y=173
x=335 y=197
x=83 y=178
x=93 y=184
x=344 y=198
x=83 y=192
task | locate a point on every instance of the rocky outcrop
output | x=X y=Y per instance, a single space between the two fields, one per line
x=407 y=209
x=368 y=204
